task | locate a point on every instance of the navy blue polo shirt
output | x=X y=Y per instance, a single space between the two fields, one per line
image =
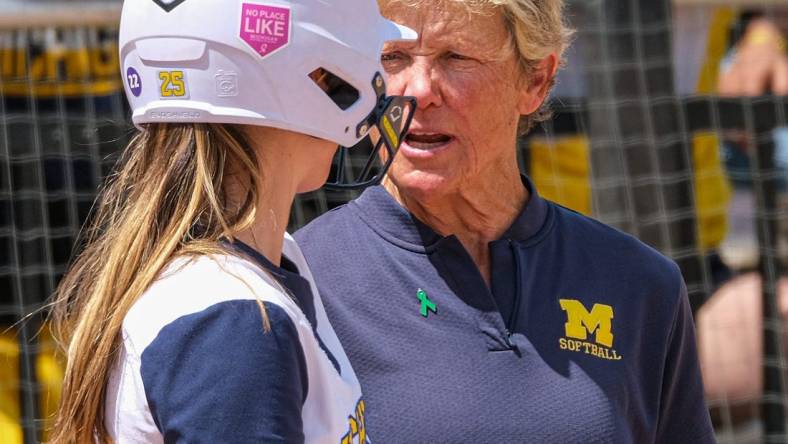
x=585 y=334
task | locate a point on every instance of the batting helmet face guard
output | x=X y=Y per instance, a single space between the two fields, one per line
x=298 y=65
x=385 y=126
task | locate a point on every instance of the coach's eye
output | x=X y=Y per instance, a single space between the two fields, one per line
x=455 y=56
x=392 y=56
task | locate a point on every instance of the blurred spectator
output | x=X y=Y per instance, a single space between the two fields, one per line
x=730 y=324
x=758 y=64
x=730 y=340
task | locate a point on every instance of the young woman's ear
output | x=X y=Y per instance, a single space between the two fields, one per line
x=537 y=84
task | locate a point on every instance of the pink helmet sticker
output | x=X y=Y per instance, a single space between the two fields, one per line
x=265 y=28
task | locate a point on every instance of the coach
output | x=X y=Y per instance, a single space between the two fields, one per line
x=473 y=310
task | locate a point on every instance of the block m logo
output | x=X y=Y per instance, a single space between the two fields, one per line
x=580 y=322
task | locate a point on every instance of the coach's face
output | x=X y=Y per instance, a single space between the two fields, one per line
x=464 y=73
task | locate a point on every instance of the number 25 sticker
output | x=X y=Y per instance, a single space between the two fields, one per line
x=173 y=85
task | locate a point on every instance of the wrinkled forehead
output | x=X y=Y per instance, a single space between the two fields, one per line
x=475 y=24
x=471 y=6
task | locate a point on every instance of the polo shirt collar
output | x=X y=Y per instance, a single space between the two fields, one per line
x=389 y=219
x=532 y=217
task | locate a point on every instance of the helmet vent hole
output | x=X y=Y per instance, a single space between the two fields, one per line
x=342 y=93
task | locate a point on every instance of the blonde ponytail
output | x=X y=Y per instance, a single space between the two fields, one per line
x=167 y=198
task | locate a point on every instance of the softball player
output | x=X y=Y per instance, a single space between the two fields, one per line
x=190 y=315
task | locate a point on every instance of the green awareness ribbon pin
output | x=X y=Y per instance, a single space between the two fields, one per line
x=426 y=304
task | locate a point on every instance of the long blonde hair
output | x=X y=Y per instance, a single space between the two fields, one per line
x=166 y=198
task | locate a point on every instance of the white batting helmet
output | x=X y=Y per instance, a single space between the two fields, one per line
x=254 y=62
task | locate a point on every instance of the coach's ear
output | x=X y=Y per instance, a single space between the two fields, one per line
x=537 y=84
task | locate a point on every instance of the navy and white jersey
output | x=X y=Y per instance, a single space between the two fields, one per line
x=584 y=336
x=197 y=366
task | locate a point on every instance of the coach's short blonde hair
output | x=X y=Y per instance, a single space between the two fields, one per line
x=537 y=28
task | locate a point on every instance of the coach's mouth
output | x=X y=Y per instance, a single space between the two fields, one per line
x=427 y=140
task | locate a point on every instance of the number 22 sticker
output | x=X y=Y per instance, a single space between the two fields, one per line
x=134 y=81
x=172 y=85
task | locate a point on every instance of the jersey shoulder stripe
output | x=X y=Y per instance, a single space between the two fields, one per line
x=192 y=285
